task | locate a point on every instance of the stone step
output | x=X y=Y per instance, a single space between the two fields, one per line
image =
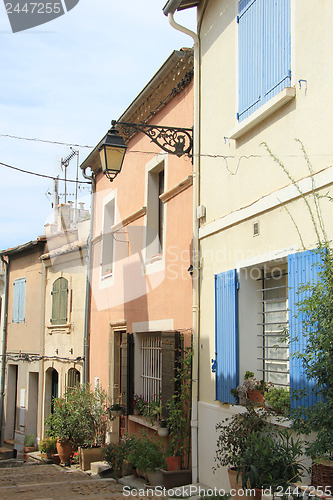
x=9 y=443
x=6 y=453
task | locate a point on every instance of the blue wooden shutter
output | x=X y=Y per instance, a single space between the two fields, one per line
x=302 y=268
x=250 y=58
x=276 y=47
x=19 y=301
x=226 y=335
x=264 y=52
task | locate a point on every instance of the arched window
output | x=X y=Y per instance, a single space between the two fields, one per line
x=73 y=378
x=59 y=302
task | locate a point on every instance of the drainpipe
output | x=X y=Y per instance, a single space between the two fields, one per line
x=4 y=342
x=88 y=285
x=169 y=11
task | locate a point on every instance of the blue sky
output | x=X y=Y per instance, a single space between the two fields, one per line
x=64 y=81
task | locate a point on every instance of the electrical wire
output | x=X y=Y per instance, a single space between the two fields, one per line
x=35 y=139
x=42 y=175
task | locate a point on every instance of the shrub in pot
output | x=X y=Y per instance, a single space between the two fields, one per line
x=271 y=460
x=29 y=445
x=116 y=453
x=231 y=442
x=48 y=446
x=278 y=399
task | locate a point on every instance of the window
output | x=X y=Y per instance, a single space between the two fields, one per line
x=59 y=302
x=244 y=343
x=19 y=300
x=151 y=367
x=73 y=378
x=274 y=320
x=264 y=52
x=108 y=239
x=155 y=212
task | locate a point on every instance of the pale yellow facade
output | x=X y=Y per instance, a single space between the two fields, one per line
x=245 y=191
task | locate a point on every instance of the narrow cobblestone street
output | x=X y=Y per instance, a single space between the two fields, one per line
x=51 y=482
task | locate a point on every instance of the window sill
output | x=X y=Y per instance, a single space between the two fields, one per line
x=59 y=328
x=286 y=95
x=142 y=421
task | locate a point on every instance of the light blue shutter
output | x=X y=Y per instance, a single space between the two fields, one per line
x=264 y=52
x=250 y=56
x=302 y=268
x=226 y=335
x=276 y=47
x=19 y=301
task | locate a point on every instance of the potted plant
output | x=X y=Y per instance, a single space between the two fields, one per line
x=48 y=447
x=79 y=419
x=29 y=445
x=271 y=461
x=116 y=453
x=278 y=400
x=148 y=455
x=251 y=390
x=163 y=430
x=115 y=411
x=231 y=442
x=316 y=312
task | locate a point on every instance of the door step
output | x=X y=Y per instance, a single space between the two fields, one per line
x=7 y=453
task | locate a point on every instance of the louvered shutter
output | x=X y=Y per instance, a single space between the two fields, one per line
x=226 y=335
x=276 y=47
x=264 y=52
x=250 y=56
x=19 y=300
x=59 y=301
x=302 y=268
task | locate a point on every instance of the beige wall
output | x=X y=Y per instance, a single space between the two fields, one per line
x=243 y=184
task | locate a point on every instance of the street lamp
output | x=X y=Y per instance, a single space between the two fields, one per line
x=173 y=140
x=112 y=152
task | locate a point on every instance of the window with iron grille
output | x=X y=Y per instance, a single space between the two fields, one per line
x=274 y=351
x=151 y=367
x=73 y=378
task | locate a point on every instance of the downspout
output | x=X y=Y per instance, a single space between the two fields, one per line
x=169 y=11
x=4 y=343
x=41 y=402
x=88 y=285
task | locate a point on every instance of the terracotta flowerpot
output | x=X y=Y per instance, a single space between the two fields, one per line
x=27 y=450
x=174 y=463
x=235 y=481
x=255 y=396
x=322 y=474
x=65 y=450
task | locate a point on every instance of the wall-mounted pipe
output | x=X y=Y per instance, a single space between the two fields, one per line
x=88 y=284
x=4 y=342
x=169 y=10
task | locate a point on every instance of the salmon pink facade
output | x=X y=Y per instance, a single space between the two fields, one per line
x=141 y=283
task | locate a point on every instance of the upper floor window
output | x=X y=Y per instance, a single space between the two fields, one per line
x=73 y=378
x=19 y=300
x=264 y=52
x=59 y=302
x=108 y=239
x=155 y=212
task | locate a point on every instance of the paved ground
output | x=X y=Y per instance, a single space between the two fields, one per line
x=52 y=482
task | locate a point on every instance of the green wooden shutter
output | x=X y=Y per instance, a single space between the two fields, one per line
x=59 y=301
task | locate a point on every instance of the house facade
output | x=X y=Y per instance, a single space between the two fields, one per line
x=141 y=286
x=64 y=294
x=22 y=340
x=265 y=187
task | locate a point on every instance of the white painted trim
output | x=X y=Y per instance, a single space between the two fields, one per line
x=276 y=256
x=107 y=281
x=159 y=325
x=279 y=100
x=269 y=202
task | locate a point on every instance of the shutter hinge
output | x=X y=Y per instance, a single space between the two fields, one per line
x=237 y=285
x=237 y=116
x=289 y=73
x=214 y=365
x=237 y=19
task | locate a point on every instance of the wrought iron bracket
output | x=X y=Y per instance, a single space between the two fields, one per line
x=173 y=140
